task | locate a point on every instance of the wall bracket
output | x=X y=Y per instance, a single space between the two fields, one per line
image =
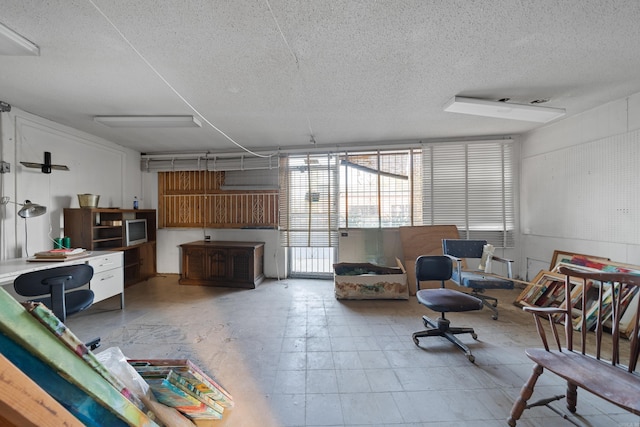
x=5 y=167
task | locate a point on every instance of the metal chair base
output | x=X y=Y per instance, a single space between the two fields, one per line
x=441 y=328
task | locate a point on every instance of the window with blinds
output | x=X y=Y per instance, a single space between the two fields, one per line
x=470 y=185
x=309 y=202
x=378 y=189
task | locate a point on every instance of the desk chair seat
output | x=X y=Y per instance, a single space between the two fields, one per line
x=442 y=300
x=74 y=302
x=53 y=287
x=477 y=281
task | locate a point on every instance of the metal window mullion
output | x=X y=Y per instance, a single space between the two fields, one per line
x=504 y=197
x=466 y=188
x=346 y=190
x=411 y=189
x=329 y=200
x=431 y=186
x=309 y=198
x=378 y=192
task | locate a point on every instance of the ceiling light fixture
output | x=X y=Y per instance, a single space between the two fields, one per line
x=148 y=121
x=13 y=44
x=503 y=110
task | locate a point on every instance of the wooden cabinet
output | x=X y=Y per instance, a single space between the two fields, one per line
x=229 y=264
x=105 y=229
x=147 y=260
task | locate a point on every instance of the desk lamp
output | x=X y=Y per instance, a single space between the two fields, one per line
x=30 y=209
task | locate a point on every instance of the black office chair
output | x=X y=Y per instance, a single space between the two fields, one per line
x=442 y=300
x=57 y=283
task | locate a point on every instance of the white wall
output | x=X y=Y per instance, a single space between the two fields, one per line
x=116 y=177
x=579 y=187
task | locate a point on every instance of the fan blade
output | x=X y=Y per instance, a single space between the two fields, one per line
x=45 y=167
x=32 y=165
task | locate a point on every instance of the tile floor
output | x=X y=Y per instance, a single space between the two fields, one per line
x=293 y=355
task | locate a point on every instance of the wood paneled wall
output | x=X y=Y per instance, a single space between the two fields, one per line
x=195 y=199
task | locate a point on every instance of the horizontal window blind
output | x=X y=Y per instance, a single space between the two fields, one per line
x=309 y=203
x=470 y=185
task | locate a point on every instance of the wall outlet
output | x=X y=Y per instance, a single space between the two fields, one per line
x=207 y=238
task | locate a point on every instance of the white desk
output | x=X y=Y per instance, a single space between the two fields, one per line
x=108 y=272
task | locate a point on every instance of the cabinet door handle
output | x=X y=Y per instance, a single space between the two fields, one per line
x=106 y=263
x=107 y=278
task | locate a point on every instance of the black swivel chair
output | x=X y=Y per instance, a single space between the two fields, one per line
x=57 y=283
x=442 y=300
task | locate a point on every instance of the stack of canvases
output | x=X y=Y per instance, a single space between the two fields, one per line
x=44 y=350
x=180 y=384
x=93 y=387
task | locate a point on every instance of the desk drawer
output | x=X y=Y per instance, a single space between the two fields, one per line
x=107 y=284
x=106 y=262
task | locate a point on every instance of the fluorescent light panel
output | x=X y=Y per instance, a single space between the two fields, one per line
x=13 y=44
x=503 y=110
x=148 y=121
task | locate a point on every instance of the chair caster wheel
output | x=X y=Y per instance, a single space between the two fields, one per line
x=471 y=358
x=474 y=336
x=415 y=341
x=494 y=317
x=495 y=304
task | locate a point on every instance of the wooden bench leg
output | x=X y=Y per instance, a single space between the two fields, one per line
x=572 y=397
x=526 y=392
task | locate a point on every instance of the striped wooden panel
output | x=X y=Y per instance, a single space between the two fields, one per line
x=194 y=199
x=190 y=182
x=242 y=210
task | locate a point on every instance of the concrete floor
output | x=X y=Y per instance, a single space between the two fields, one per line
x=293 y=355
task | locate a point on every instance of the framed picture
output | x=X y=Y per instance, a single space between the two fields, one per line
x=574 y=258
x=545 y=290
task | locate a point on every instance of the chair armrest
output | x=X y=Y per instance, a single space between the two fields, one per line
x=547 y=312
x=457 y=263
x=544 y=310
x=453 y=258
x=508 y=262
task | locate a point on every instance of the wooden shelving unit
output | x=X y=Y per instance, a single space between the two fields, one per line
x=104 y=229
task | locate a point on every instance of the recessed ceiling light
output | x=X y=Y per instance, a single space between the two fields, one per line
x=503 y=110
x=13 y=44
x=148 y=121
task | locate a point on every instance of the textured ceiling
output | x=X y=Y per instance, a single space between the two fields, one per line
x=272 y=73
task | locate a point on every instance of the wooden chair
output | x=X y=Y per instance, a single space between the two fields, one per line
x=584 y=368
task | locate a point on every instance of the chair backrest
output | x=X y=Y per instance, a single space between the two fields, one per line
x=600 y=300
x=433 y=267
x=54 y=283
x=463 y=248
